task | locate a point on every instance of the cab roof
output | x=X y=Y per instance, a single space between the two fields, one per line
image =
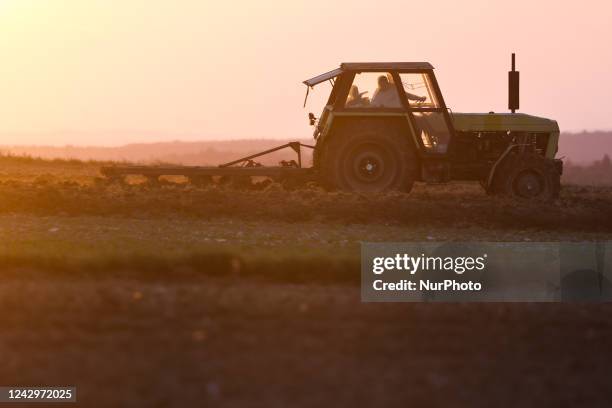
x=364 y=66
x=367 y=66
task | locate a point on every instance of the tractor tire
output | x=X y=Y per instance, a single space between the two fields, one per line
x=369 y=160
x=527 y=176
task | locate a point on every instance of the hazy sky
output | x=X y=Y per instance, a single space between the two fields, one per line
x=100 y=72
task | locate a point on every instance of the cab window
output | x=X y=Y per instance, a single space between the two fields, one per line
x=419 y=90
x=373 y=90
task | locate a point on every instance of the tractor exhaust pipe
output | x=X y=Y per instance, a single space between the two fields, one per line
x=513 y=87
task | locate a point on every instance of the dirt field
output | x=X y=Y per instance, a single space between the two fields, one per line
x=179 y=296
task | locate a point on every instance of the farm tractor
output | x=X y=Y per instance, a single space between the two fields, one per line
x=386 y=126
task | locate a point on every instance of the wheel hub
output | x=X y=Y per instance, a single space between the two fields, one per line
x=529 y=184
x=368 y=167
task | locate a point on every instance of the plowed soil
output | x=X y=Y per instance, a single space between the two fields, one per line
x=177 y=296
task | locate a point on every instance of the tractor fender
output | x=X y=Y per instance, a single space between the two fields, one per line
x=342 y=125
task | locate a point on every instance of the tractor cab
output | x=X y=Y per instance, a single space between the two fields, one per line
x=400 y=89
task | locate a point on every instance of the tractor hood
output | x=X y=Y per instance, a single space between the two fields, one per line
x=495 y=122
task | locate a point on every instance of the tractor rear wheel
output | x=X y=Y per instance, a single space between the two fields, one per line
x=527 y=176
x=369 y=161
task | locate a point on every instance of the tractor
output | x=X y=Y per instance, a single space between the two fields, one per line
x=386 y=126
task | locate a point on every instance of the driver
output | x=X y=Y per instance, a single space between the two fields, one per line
x=385 y=95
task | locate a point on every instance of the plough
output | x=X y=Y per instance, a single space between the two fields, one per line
x=237 y=171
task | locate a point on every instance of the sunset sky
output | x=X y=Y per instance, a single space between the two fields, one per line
x=99 y=72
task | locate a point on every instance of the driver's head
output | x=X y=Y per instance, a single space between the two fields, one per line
x=354 y=93
x=383 y=82
x=390 y=78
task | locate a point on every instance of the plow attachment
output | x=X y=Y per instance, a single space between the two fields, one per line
x=241 y=172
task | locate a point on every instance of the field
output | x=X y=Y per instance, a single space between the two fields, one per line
x=183 y=296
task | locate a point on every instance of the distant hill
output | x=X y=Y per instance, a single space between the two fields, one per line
x=585 y=147
x=578 y=148
x=598 y=173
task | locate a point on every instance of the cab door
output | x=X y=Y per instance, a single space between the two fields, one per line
x=429 y=116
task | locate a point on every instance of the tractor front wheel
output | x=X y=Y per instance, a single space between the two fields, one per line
x=527 y=176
